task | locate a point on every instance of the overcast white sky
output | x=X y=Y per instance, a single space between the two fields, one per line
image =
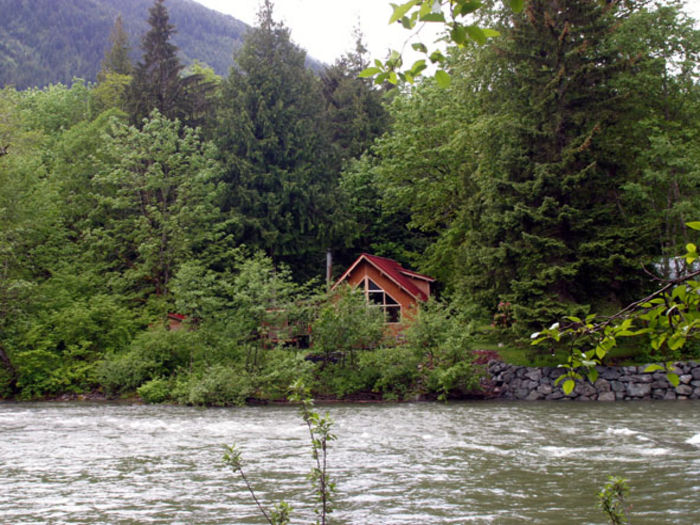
x=324 y=27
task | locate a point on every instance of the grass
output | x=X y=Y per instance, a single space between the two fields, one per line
x=516 y=351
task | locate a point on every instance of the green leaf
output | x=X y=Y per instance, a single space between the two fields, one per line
x=369 y=72
x=516 y=5
x=466 y=7
x=458 y=34
x=401 y=9
x=420 y=47
x=695 y=225
x=442 y=78
x=593 y=375
x=408 y=23
x=673 y=379
x=425 y=8
x=417 y=67
x=433 y=17
x=491 y=33
x=568 y=386
x=653 y=368
x=437 y=56
x=476 y=34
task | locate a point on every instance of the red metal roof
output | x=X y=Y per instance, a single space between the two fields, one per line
x=394 y=271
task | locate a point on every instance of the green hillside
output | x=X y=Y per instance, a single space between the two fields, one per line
x=51 y=41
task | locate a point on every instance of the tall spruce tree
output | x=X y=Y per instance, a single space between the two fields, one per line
x=522 y=165
x=158 y=83
x=116 y=58
x=272 y=140
x=549 y=219
x=355 y=111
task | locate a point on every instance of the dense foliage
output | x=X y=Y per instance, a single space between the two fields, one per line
x=560 y=159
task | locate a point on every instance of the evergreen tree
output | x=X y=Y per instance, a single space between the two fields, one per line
x=272 y=140
x=355 y=112
x=158 y=83
x=116 y=58
x=522 y=165
x=547 y=228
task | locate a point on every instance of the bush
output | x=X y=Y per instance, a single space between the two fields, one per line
x=155 y=391
x=346 y=324
x=280 y=369
x=395 y=371
x=152 y=354
x=217 y=385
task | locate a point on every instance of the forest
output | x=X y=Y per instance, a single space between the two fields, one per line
x=554 y=176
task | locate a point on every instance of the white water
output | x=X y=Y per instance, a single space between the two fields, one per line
x=501 y=463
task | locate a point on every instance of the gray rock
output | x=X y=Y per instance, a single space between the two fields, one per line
x=606 y=396
x=534 y=396
x=545 y=389
x=608 y=372
x=686 y=379
x=670 y=395
x=684 y=390
x=521 y=393
x=557 y=372
x=638 y=389
x=555 y=395
x=534 y=374
x=695 y=372
x=602 y=385
x=617 y=386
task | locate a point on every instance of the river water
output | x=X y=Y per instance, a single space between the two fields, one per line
x=480 y=462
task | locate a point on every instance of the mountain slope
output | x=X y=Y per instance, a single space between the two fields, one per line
x=50 y=41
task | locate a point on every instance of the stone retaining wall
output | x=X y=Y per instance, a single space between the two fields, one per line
x=614 y=383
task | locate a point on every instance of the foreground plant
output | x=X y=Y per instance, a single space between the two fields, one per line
x=612 y=500
x=320 y=435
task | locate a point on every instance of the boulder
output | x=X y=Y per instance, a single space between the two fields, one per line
x=638 y=389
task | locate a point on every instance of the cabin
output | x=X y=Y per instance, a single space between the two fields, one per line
x=389 y=286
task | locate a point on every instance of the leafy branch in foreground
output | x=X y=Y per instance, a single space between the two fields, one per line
x=452 y=14
x=669 y=317
x=280 y=514
x=612 y=500
x=320 y=434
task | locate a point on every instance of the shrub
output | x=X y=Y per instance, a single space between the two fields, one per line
x=345 y=324
x=280 y=369
x=217 y=385
x=152 y=354
x=155 y=391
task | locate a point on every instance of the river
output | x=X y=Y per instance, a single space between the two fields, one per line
x=423 y=463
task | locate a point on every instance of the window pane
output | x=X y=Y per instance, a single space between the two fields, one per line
x=376 y=297
x=393 y=314
x=371 y=285
x=389 y=299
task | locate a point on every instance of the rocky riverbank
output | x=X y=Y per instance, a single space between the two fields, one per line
x=613 y=384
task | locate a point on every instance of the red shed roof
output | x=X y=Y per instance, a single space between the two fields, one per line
x=394 y=271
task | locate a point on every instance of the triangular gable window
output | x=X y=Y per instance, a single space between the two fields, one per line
x=379 y=298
